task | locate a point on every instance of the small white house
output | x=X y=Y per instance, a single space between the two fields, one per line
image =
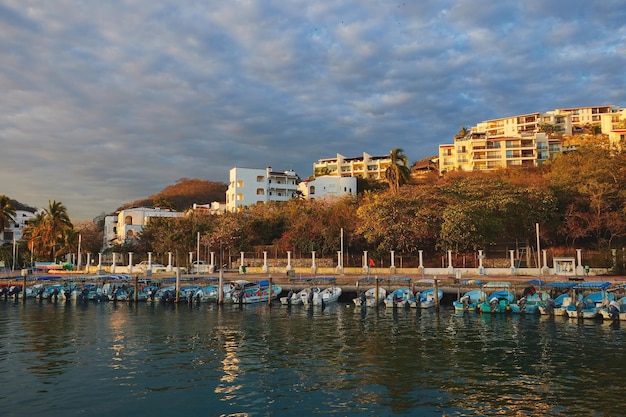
x=328 y=186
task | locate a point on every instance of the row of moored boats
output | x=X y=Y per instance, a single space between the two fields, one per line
x=584 y=300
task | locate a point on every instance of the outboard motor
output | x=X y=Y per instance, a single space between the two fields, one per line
x=84 y=294
x=465 y=301
x=522 y=303
x=189 y=297
x=614 y=310
x=15 y=290
x=5 y=292
x=579 y=308
x=40 y=292
x=550 y=305
x=151 y=294
x=493 y=303
x=363 y=299
x=114 y=293
x=55 y=294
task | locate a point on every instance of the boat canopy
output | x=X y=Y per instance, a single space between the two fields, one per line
x=561 y=284
x=589 y=285
x=536 y=282
x=370 y=279
x=399 y=279
x=497 y=284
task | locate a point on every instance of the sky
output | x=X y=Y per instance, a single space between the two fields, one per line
x=106 y=102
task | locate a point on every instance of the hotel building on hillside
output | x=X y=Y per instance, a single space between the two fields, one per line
x=249 y=186
x=366 y=166
x=517 y=140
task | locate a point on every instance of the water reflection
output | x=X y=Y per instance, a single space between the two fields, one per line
x=277 y=360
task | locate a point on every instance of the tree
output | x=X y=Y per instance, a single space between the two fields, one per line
x=398 y=172
x=55 y=227
x=7 y=212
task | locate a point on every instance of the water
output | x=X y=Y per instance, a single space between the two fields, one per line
x=163 y=360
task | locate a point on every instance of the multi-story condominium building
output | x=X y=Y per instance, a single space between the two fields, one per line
x=128 y=223
x=566 y=121
x=250 y=186
x=14 y=231
x=518 y=141
x=366 y=166
x=477 y=151
x=328 y=186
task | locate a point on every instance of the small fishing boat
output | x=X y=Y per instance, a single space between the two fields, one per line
x=530 y=300
x=257 y=293
x=295 y=298
x=469 y=301
x=399 y=297
x=499 y=300
x=368 y=297
x=588 y=306
x=318 y=296
x=426 y=298
x=616 y=310
x=556 y=305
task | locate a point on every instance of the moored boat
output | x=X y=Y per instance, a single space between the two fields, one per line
x=499 y=300
x=588 y=306
x=469 y=301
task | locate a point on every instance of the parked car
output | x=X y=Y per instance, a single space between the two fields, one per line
x=200 y=267
x=143 y=267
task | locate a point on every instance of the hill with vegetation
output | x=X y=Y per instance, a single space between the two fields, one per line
x=183 y=194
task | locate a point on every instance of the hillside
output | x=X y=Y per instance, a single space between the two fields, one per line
x=182 y=195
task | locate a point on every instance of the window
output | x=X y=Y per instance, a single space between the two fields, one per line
x=239 y=197
x=260 y=191
x=260 y=178
x=312 y=189
x=240 y=183
x=128 y=220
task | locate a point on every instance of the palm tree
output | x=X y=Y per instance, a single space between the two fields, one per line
x=398 y=172
x=56 y=226
x=32 y=233
x=7 y=212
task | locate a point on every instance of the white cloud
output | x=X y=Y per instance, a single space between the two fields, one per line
x=108 y=102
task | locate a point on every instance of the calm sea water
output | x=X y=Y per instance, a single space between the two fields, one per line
x=163 y=360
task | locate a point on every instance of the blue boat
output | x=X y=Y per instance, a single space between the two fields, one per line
x=556 y=305
x=497 y=302
x=469 y=301
x=588 y=306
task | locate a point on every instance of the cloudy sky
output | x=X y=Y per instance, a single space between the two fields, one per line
x=105 y=102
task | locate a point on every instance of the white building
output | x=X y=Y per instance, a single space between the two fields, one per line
x=328 y=186
x=215 y=207
x=366 y=166
x=128 y=223
x=249 y=186
x=14 y=231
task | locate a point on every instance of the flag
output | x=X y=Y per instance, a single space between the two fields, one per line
x=372 y=263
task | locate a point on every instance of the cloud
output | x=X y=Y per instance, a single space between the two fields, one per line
x=108 y=102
